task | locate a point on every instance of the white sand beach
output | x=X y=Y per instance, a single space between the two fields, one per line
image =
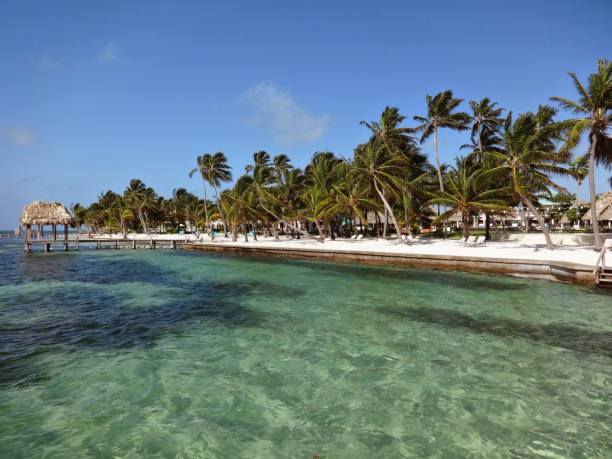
x=584 y=255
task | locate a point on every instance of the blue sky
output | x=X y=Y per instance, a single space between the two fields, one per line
x=96 y=93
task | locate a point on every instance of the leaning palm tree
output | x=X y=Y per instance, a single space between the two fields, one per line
x=594 y=106
x=486 y=116
x=382 y=170
x=466 y=195
x=528 y=157
x=441 y=114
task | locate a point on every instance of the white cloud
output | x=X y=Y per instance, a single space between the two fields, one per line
x=109 y=53
x=48 y=63
x=278 y=112
x=19 y=135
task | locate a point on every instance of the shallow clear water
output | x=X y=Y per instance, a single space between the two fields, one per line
x=171 y=354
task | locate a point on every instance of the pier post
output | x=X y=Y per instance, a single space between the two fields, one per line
x=116 y=245
x=65 y=247
x=133 y=243
x=47 y=247
x=98 y=245
x=173 y=244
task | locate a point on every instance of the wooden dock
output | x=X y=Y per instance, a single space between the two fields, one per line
x=48 y=245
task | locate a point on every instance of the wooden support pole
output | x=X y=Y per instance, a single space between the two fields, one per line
x=116 y=244
x=54 y=232
x=65 y=247
x=133 y=243
x=65 y=232
x=98 y=245
x=174 y=244
x=47 y=247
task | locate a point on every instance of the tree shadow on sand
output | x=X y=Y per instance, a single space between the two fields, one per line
x=564 y=336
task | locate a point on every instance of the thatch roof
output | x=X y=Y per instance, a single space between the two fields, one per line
x=603 y=208
x=45 y=213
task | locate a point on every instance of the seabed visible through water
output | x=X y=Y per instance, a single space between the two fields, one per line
x=174 y=354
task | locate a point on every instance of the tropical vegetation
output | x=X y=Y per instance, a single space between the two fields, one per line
x=387 y=186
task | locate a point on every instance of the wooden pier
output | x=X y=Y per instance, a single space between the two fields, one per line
x=48 y=245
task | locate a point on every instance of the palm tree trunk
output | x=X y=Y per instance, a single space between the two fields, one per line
x=244 y=230
x=480 y=139
x=388 y=207
x=386 y=217
x=534 y=211
x=205 y=204
x=465 y=218
x=438 y=167
x=320 y=230
x=593 y=196
x=220 y=209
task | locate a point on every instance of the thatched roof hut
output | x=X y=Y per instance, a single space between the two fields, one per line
x=603 y=208
x=46 y=213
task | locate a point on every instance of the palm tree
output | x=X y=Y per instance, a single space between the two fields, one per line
x=485 y=117
x=594 y=106
x=215 y=170
x=201 y=161
x=317 y=205
x=348 y=197
x=441 y=114
x=528 y=157
x=388 y=132
x=78 y=212
x=382 y=171
x=238 y=204
x=578 y=169
x=466 y=195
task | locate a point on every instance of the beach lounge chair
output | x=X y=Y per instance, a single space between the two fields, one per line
x=359 y=238
x=470 y=241
x=480 y=241
x=353 y=238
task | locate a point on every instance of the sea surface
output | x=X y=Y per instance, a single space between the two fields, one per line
x=164 y=354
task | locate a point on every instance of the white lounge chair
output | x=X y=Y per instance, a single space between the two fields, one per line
x=359 y=238
x=481 y=240
x=353 y=238
x=470 y=241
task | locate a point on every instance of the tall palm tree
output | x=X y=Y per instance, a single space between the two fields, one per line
x=594 y=108
x=486 y=116
x=465 y=194
x=528 y=156
x=215 y=170
x=441 y=114
x=201 y=162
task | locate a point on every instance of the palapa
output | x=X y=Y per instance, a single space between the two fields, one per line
x=46 y=213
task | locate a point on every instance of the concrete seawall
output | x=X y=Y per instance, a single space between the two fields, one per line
x=543 y=269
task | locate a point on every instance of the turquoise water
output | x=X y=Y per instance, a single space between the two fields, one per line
x=147 y=354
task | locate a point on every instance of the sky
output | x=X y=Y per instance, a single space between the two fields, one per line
x=93 y=94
